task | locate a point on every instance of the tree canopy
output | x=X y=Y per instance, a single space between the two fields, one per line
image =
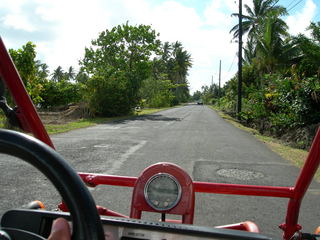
x=125 y=66
x=125 y=62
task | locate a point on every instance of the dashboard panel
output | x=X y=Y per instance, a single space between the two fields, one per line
x=39 y=222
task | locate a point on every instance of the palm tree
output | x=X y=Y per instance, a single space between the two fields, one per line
x=42 y=70
x=82 y=77
x=176 y=46
x=270 y=46
x=183 y=62
x=71 y=73
x=255 y=19
x=166 y=52
x=174 y=64
x=266 y=32
x=249 y=52
x=58 y=74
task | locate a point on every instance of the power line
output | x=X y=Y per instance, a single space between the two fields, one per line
x=275 y=3
x=291 y=3
x=295 y=5
x=227 y=75
x=234 y=58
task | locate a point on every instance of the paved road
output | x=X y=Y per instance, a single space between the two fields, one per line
x=194 y=137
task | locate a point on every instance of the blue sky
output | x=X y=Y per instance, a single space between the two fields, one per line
x=61 y=29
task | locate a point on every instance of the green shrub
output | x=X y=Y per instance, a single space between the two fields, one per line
x=109 y=96
x=62 y=93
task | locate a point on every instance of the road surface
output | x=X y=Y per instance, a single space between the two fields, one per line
x=195 y=138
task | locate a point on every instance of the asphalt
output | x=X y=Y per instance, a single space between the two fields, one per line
x=194 y=137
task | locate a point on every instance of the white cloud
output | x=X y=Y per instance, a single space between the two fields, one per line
x=215 y=16
x=13 y=6
x=301 y=19
x=69 y=26
x=74 y=23
x=15 y=18
x=206 y=37
x=18 y=21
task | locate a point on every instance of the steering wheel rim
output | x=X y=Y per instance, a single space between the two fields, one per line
x=85 y=218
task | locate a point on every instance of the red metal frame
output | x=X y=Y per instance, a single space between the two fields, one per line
x=31 y=121
x=26 y=113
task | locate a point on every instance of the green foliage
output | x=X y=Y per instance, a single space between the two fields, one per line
x=157 y=92
x=44 y=92
x=62 y=93
x=109 y=97
x=254 y=106
x=25 y=62
x=196 y=96
x=284 y=103
x=315 y=31
x=281 y=74
x=254 y=22
x=116 y=74
x=310 y=56
x=123 y=52
x=175 y=63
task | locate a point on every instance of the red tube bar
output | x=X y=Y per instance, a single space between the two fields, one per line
x=306 y=175
x=27 y=113
x=238 y=189
x=93 y=180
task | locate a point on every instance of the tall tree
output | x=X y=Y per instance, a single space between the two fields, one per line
x=118 y=62
x=42 y=70
x=25 y=61
x=166 y=53
x=270 y=45
x=266 y=31
x=315 y=31
x=175 y=62
x=58 y=74
x=71 y=73
x=309 y=49
x=254 y=20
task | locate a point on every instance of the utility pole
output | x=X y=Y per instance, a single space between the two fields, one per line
x=219 y=83
x=240 y=60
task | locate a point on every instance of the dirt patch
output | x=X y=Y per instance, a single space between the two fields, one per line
x=72 y=113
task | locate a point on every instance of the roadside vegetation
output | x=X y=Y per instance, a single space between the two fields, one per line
x=281 y=77
x=124 y=68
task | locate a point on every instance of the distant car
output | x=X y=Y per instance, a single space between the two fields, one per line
x=200 y=102
x=137 y=109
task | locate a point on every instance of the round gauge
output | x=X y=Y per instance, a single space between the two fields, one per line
x=162 y=192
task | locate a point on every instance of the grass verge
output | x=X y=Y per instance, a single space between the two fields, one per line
x=293 y=155
x=60 y=128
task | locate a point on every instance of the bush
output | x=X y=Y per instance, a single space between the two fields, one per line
x=56 y=94
x=109 y=96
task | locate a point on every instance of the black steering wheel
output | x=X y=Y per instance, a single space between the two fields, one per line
x=84 y=215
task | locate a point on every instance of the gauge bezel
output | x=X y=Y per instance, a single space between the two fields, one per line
x=151 y=179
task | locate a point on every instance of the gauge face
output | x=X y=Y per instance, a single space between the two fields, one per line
x=162 y=192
